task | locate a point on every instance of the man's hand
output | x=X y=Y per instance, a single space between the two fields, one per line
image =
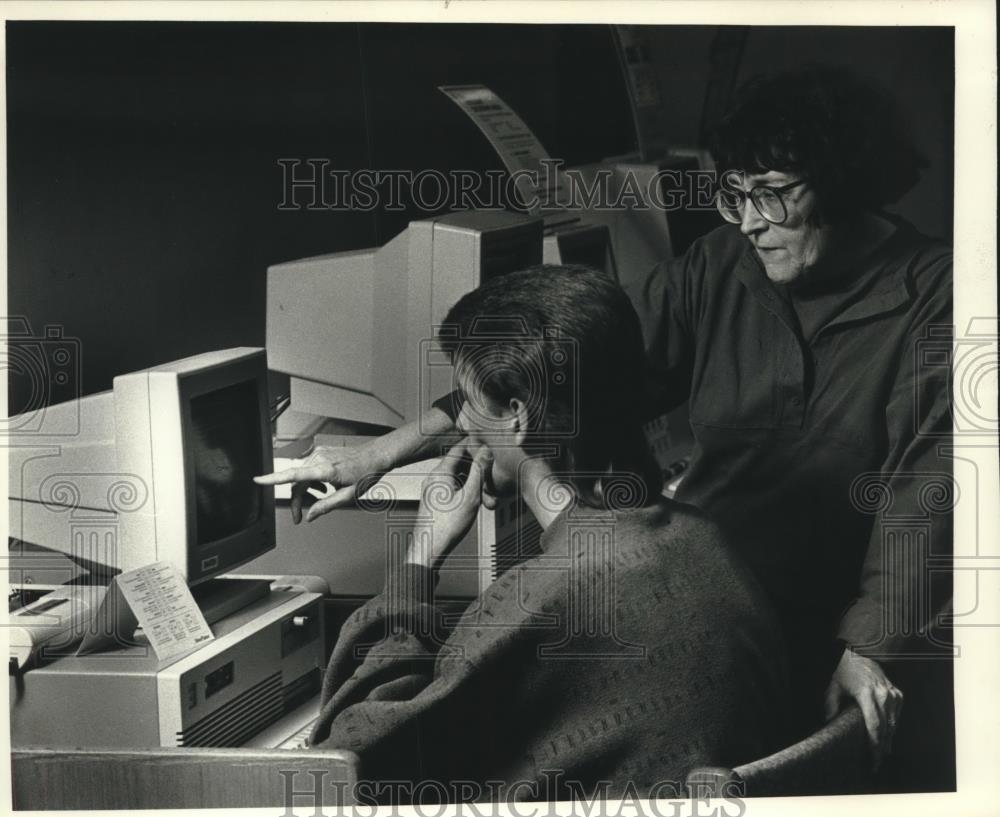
x=863 y=680
x=450 y=498
x=343 y=467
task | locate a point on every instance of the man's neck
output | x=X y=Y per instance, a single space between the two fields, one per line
x=545 y=495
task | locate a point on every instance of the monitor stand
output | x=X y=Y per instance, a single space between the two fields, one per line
x=218 y=598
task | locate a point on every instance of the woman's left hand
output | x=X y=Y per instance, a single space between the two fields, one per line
x=864 y=681
x=450 y=498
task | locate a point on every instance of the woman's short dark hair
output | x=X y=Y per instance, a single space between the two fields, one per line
x=566 y=341
x=843 y=133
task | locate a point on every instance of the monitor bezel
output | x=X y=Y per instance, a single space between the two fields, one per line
x=208 y=560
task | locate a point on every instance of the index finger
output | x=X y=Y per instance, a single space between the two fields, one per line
x=474 y=484
x=300 y=473
x=873 y=725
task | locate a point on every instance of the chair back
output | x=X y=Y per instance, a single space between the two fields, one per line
x=834 y=760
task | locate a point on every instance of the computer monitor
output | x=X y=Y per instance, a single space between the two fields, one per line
x=658 y=209
x=159 y=468
x=577 y=242
x=351 y=328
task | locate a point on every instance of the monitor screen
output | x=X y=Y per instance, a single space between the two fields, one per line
x=225 y=440
x=226 y=450
x=589 y=247
x=589 y=254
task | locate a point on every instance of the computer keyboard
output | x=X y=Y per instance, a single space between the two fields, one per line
x=300 y=740
x=290 y=731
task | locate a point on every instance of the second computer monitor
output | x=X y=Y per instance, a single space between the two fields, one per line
x=352 y=329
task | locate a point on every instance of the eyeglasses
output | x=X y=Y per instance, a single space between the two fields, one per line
x=731 y=201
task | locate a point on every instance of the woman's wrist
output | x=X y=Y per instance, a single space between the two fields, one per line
x=413 y=441
x=383 y=456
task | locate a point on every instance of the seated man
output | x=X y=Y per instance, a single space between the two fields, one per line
x=632 y=648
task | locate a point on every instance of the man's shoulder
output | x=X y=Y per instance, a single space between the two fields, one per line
x=667 y=552
x=679 y=518
x=661 y=521
x=668 y=533
x=677 y=548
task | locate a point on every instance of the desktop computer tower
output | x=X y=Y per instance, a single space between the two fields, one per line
x=265 y=661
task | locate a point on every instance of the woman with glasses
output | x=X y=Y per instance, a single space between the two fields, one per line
x=796 y=333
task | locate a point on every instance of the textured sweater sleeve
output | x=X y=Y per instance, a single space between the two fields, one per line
x=407 y=701
x=619 y=653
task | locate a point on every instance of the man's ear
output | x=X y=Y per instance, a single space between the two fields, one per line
x=519 y=418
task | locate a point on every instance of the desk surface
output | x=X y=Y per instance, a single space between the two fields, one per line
x=181 y=778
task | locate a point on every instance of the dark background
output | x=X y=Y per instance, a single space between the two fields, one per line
x=143 y=184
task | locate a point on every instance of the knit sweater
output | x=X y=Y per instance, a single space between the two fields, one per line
x=633 y=648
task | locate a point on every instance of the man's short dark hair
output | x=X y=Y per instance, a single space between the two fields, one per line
x=841 y=132
x=566 y=341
